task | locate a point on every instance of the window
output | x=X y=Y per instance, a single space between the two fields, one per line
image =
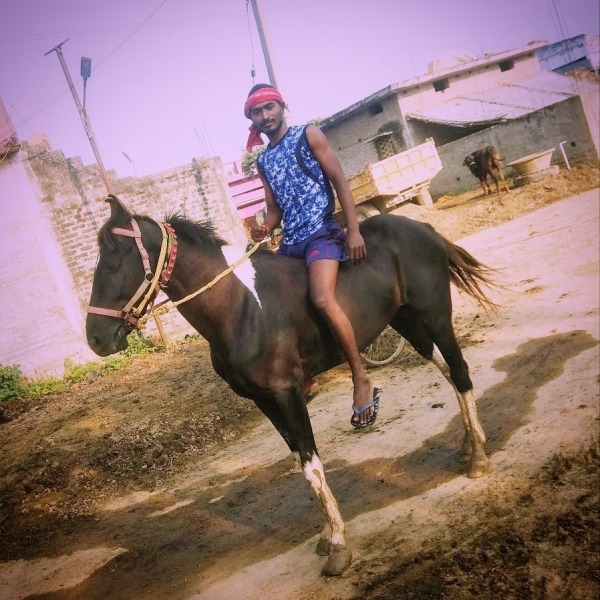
x=375 y=109
x=506 y=65
x=384 y=145
x=440 y=85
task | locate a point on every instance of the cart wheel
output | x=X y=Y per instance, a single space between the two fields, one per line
x=384 y=349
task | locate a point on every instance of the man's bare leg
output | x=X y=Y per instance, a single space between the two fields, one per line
x=323 y=278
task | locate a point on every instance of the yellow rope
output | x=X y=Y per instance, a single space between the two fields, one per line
x=164 y=308
x=7 y=151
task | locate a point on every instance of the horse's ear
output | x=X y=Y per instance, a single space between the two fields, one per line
x=118 y=211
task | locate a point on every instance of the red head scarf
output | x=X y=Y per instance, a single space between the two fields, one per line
x=261 y=95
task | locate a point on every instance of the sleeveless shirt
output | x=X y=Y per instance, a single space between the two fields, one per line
x=301 y=189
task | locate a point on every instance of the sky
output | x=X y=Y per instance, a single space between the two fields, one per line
x=169 y=77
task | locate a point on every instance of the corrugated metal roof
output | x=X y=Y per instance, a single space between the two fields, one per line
x=505 y=102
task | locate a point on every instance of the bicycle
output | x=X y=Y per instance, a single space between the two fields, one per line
x=384 y=349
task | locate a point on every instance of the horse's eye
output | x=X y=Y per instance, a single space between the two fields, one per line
x=114 y=267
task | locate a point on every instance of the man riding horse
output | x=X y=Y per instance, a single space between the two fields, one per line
x=302 y=155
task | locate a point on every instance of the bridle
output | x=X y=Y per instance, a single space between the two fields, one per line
x=153 y=282
x=132 y=314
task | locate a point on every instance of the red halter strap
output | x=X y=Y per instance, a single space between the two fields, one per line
x=152 y=282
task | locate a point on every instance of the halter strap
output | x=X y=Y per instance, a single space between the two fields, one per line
x=150 y=286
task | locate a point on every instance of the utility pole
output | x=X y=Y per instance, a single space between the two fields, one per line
x=83 y=114
x=262 y=33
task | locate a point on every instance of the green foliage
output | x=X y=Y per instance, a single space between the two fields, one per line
x=10 y=383
x=13 y=385
x=45 y=385
x=249 y=158
x=138 y=344
x=249 y=162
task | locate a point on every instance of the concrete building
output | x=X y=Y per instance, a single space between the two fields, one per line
x=581 y=52
x=465 y=103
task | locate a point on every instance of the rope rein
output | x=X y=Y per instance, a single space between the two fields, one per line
x=167 y=305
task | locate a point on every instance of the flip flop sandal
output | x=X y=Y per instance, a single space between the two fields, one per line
x=359 y=411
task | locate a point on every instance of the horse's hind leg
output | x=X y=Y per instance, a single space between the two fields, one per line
x=288 y=413
x=425 y=334
x=457 y=372
x=438 y=361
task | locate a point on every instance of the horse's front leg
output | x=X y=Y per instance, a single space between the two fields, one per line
x=288 y=413
x=332 y=542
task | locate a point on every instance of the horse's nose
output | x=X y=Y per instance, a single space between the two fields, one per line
x=94 y=343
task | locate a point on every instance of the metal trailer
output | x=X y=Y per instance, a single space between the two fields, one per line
x=403 y=177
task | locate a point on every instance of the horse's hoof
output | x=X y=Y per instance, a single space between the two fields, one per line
x=479 y=467
x=324 y=547
x=339 y=560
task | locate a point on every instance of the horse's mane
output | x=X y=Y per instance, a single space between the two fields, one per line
x=198 y=232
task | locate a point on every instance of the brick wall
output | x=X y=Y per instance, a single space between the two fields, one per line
x=50 y=211
x=353 y=141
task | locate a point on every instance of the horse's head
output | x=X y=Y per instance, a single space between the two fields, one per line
x=124 y=279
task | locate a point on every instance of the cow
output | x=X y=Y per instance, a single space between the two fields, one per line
x=484 y=162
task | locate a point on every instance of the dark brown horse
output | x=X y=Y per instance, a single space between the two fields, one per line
x=485 y=163
x=267 y=340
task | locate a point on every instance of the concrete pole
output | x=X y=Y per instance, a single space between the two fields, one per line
x=262 y=33
x=83 y=115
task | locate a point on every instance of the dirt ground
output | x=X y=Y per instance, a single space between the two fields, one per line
x=157 y=482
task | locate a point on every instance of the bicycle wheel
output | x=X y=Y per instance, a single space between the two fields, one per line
x=384 y=349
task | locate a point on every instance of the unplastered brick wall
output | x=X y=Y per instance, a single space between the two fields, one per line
x=352 y=137
x=64 y=199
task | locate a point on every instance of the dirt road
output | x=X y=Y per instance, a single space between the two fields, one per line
x=95 y=508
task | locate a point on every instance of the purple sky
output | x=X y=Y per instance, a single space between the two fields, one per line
x=169 y=78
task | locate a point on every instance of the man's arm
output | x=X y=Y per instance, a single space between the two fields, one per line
x=328 y=159
x=273 y=216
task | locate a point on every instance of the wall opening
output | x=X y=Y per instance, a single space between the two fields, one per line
x=375 y=109
x=506 y=65
x=441 y=84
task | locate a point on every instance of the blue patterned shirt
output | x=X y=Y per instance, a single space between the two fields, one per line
x=301 y=189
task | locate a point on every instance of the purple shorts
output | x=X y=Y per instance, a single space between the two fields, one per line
x=328 y=242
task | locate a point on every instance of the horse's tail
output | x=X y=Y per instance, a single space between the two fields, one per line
x=469 y=275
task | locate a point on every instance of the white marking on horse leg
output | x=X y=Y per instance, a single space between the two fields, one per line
x=471 y=408
x=440 y=363
x=244 y=272
x=479 y=464
x=438 y=360
x=315 y=475
x=474 y=440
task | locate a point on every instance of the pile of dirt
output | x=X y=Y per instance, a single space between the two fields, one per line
x=459 y=216
x=127 y=430
x=539 y=541
x=136 y=427
x=142 y=427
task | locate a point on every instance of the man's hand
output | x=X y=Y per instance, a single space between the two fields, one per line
x=355 y=245
x=258 y=232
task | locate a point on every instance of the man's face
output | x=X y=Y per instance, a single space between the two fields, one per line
x=267 y=116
